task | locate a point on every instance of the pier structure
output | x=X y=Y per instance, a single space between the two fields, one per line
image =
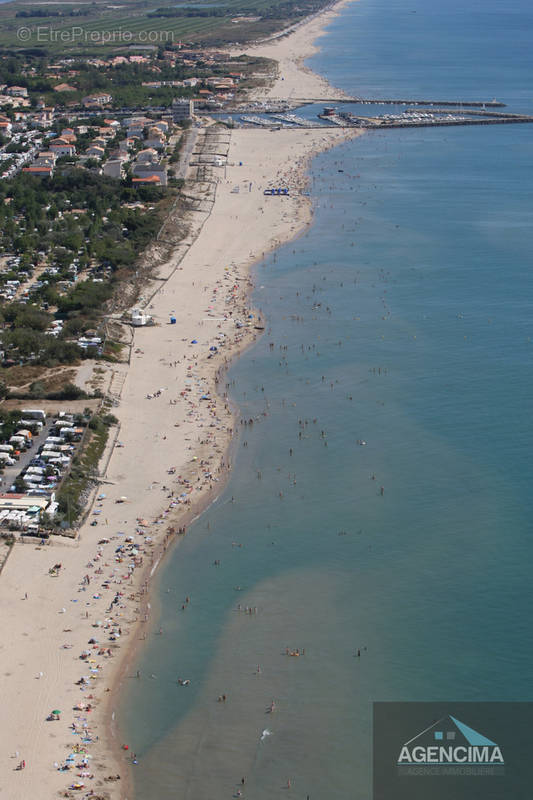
x=379 y=101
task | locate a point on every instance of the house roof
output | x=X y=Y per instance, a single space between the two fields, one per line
x=148 y=179
x=15 y=500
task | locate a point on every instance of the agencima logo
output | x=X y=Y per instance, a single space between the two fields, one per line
x=449 y=747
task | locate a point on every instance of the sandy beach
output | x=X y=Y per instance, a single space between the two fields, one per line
x=71 y=631
x=294 y=80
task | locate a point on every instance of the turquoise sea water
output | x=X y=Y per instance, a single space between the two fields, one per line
x=402 y=319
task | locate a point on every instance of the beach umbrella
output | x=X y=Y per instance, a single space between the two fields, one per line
x=56 y=711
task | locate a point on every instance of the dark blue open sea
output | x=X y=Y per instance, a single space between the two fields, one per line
x=401 y=320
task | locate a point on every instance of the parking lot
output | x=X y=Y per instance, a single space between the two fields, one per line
x=10 y=473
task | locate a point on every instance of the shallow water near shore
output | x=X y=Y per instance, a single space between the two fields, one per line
x=400 y=323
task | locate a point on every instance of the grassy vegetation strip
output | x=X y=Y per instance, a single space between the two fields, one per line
x=81 y=479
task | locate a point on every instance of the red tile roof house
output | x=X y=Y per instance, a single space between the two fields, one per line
x=62 y=147
x=144 y=171
x=43 y=172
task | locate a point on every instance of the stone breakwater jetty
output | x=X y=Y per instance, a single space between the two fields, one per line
x=444 y=122
x=388 y=102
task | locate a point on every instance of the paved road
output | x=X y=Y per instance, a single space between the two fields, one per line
x=191 y=134
x=10 y=473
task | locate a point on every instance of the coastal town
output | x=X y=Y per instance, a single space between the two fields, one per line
x=139 y=187
x=111 y=360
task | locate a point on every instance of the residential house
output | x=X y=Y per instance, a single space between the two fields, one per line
x=149 y=172
x=94 y=151
x=161 y=125
x=43 y=118
x=135 y=131
x=68 y=135
x=114 y=166
x=155 y=139
x=64 y=87
x=40 y=172
x=46 y=158
x=96 y=100
x=106 y=133
x=125 y=144
x=14 y=102
x=148 y=156
x=217 y=83
x=156 y=143
x=152 y=180
x=17 y=91
x=62 y=147
x=137 y=120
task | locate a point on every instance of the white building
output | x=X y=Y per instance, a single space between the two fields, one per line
x=139 y=318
